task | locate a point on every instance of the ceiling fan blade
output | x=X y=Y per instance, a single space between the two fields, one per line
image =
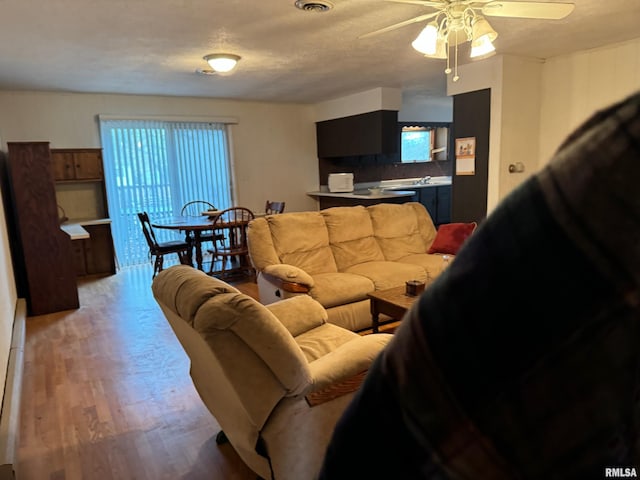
x=424 y=3
x=544 y=10
x=421 y=18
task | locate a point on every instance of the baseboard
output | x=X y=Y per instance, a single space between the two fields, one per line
x=10 y=418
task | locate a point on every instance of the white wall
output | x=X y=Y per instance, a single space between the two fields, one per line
x=520 y=120
x=362 y=102
x=575 y=86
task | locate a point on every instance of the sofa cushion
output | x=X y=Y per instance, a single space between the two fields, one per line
x=433 y=264
x=302 y=239
x=351 y=236
x=331 y=289
x=396 y=230
x=389 y=274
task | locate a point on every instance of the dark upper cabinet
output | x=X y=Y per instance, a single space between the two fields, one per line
x=372 y=133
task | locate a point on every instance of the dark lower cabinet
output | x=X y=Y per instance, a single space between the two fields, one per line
x=437 y=201
x=95 y=255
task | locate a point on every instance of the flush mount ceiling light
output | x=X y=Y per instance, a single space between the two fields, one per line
x=458 y=21
x=221 y=62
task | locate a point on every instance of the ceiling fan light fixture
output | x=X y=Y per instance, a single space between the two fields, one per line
x=442 y=48
x=482 y=32
x=426 y=41
x=482 y=48
x=222 y=62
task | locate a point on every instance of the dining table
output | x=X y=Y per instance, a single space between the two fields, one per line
x=191 y=226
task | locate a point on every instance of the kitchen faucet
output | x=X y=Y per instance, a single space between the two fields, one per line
x=424 y=180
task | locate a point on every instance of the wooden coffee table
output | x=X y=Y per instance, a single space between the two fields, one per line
x=392 y=301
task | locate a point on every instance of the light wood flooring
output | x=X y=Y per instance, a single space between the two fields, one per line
x=107 y=393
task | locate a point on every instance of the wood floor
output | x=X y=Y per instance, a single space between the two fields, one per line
x=107 y=393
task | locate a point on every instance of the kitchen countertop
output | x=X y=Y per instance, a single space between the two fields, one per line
x=363 y=194
x=404 y=187
x=74 y=229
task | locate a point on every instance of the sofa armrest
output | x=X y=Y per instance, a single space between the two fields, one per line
x=288 y=277
x=299 y=314
x=346 y=362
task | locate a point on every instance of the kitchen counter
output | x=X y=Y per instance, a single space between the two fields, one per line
x=74 y=227
x=75 y=231
x=364 y=194
x=391 y=189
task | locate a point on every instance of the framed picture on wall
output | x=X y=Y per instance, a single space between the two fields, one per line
x=466 y=156
x=465 y=147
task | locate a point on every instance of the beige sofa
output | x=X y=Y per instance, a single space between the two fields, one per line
x=276 y=377
x=339 y=255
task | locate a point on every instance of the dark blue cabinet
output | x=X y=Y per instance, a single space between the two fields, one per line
x=437 y=201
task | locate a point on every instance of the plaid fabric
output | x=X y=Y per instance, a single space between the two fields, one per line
x=522 y=360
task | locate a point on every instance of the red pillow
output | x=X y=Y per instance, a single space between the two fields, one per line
x=451 y=236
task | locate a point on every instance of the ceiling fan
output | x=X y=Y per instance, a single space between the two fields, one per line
x=458 y=21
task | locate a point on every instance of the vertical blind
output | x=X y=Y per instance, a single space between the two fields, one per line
x=157 y=167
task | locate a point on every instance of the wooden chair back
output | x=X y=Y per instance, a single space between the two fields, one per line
x=232 y=250
x=160 y=249
x=195 y=208
x=147 y=229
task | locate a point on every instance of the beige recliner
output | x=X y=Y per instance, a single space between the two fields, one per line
x=276 y=377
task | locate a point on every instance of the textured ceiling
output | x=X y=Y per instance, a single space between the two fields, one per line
x=288 y=55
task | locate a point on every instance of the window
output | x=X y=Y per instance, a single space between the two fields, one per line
x=423 y=142
x=416 y=144
x=158 y=166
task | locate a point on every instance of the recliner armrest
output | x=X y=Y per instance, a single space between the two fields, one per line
x=346 y=361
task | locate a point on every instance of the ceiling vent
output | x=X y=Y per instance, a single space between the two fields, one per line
x=314 y=5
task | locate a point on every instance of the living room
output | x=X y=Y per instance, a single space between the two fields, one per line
x=534 y=106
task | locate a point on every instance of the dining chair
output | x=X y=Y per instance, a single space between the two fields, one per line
x=160 y=249
x=272 y=208
x=231 y=253
x=196 y=208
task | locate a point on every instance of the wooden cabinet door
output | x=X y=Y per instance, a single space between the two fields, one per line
x=79 y=262
x=88 y=165
x=98 y=250
x=77 y=164
x=63 y=166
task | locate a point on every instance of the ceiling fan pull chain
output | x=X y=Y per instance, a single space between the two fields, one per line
x=448 y=69
x=455 y=62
